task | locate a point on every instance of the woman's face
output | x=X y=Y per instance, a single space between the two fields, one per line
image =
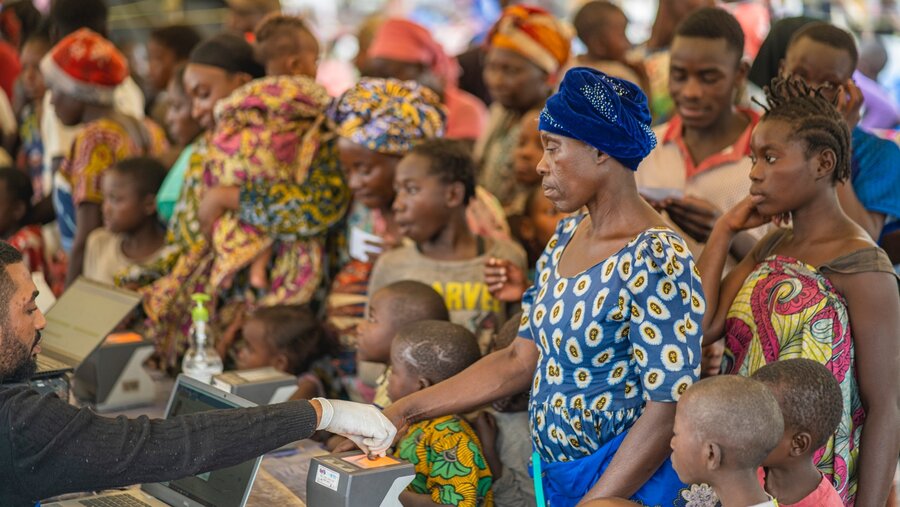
x=569 y=171
x=514 y=81
x=206 y=85
x=782 y=178
x=370 y=175
x=182 y=126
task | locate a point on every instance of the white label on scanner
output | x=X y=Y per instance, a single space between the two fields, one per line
x=328 y=478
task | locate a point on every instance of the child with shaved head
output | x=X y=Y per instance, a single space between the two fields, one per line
x=449 y=460
x=810 y=400
x=391 y=308
x=724 y=428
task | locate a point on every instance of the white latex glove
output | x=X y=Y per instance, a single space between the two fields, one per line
x=365 y=425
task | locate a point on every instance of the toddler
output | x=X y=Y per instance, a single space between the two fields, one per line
x=285 y=46
x=391 y=308
x=450 y=465
x=290 y=339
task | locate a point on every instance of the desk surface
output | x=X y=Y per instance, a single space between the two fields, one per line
x=282 y=475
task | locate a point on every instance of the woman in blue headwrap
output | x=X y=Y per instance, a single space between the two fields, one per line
x=610 y=336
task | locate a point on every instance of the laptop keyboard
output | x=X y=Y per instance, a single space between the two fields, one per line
x=124 y=500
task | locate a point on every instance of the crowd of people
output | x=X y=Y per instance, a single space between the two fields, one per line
x=528 y=259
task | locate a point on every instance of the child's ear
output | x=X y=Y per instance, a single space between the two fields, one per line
x=424 y=383
x=149 y=204
x=826 y=162
x=456 y=194
x=801 y=443
x=712 y=455
x=280 y=362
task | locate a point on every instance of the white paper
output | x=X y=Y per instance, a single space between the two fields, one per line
x=363 y=243
x=659 y=194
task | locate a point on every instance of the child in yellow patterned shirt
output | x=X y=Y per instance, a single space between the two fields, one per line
x=449 y=460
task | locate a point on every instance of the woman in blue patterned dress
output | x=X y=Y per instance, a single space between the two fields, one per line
x=610 y=336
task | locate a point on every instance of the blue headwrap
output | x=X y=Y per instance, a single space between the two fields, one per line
x=607 y=113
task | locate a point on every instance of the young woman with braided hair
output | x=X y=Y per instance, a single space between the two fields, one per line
x=818 y=287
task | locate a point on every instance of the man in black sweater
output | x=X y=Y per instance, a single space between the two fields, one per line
x=48 y=447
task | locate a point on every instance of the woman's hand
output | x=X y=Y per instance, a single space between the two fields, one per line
x=214 y=204
x=743 y=216
x=505 y=280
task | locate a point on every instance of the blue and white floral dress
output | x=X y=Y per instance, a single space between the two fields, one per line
x=623 y=332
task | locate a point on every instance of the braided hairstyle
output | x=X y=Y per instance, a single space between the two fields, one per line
x=813 y=118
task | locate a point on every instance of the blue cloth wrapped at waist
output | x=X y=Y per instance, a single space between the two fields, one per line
x=566 y=482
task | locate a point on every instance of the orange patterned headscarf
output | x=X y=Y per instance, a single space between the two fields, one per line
x=535 y=34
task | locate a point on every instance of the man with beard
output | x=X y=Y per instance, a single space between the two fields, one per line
x=48 y=447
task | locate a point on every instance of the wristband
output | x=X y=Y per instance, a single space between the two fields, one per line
x=327 y=413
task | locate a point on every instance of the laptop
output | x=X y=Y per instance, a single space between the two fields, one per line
x=228 y=487
x=78 y=323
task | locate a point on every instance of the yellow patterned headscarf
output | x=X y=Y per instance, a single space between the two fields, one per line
x=388 y=115
x=535 y=34
x=270 y=127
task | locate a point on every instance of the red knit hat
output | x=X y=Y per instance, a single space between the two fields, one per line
x=86 y=66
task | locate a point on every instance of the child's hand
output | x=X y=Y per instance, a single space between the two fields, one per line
x=505 y=280
x=486 y=429
x=711 y=358
x=214 y=204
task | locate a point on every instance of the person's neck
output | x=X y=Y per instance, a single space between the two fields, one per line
x=95 y=112
x=816 y=220
x=738 y=488
x=722 y=133
x=454 y=242
x=615 y=214
x=142 y=242
x=793 y=481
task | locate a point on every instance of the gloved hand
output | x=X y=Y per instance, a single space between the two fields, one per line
x=363 y=424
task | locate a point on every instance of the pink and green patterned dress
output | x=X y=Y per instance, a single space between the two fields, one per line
x=788 y=309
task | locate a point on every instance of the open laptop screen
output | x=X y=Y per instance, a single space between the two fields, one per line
x=82 y=317
x=222 y=488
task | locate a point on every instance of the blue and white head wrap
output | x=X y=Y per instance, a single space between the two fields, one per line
x=607 y=113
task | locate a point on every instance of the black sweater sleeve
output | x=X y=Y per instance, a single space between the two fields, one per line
x=48 y=447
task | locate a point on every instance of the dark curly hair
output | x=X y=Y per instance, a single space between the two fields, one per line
x=813 y=118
